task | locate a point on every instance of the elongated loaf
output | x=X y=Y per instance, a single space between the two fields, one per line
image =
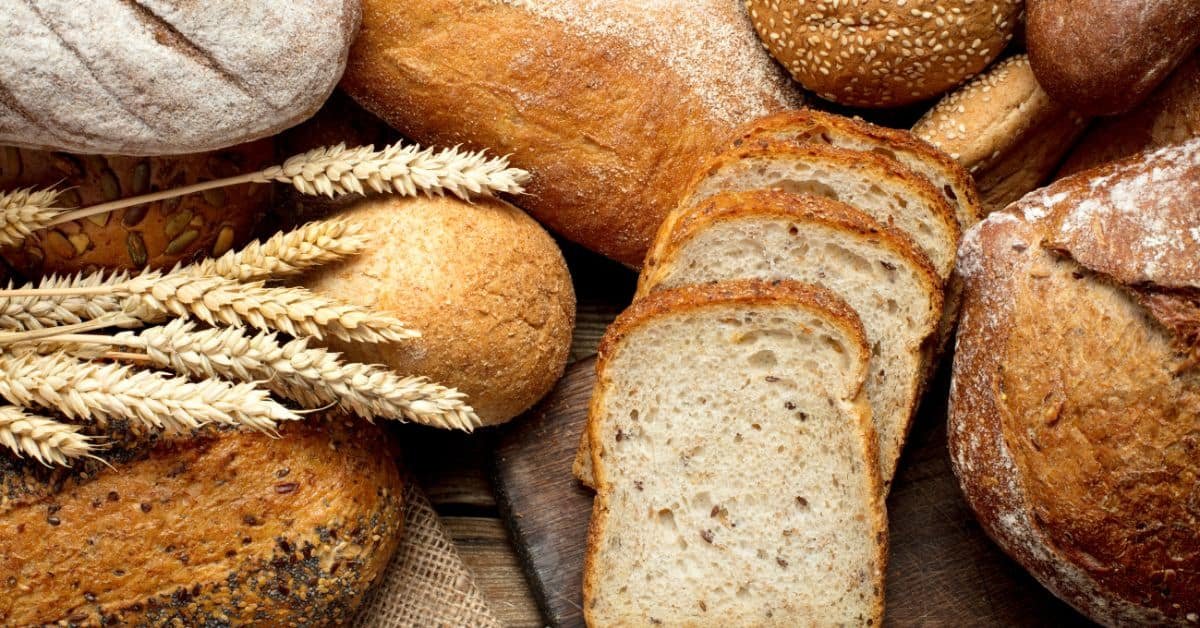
x=1076 y=392
x=735 y=462
x=611 y=105
x=224 y=528
x=156 y=77
x=876 y=270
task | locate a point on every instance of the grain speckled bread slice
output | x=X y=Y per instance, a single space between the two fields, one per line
x=809 y=126
x=874 y=184
x=876 y=270
x=736 y=463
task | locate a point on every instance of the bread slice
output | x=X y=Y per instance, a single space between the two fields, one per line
x=736 y=464
x=877 y=271
x=874 y=184
x=809 y=126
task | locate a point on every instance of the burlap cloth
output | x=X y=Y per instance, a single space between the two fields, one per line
x=426 y=584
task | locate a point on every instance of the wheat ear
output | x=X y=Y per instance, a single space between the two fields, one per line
x=285 y=254
x=43 y=439
x=337 y=170
x=40 y=309
x=220 y=301
x=25 y=211
x=82 y=389
x=313 y=377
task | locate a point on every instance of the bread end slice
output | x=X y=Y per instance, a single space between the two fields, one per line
x=735 y=462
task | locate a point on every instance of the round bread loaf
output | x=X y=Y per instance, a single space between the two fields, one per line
x=1073 y=411
x=878 y=53
x=226 y=528
x=484 y=284
x=157 y=234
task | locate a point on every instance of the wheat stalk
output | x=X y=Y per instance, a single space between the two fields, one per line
x=336 y=170
x=43 y=439
x=313 y=377
x=82 y=389
x=25 y=211
x=221 y=301
x=290 y=253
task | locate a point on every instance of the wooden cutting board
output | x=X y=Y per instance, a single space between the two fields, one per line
x=943 y=570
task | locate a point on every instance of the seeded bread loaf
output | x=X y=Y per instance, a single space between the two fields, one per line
x=611 y=105
x=1004 y=129
x=158 y=234
x=1170 y=115
x=1102 y=57
x=228 y=528
x=875 y=53
x=876 y=270
x=155 y=77
x=735 y=462
x=1074 y=403
x=484 y=284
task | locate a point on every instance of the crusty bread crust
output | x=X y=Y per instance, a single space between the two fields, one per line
x=1170 y=115
x=788 y=294
x=228 y=527
x=1067 y=400
x=878 y=166
x=611 y=131
x=1102 y=57
x=811 y=126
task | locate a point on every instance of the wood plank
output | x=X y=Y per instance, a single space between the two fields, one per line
x=484 y=546
x=943 y=570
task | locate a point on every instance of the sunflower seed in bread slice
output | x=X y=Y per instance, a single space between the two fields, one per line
x=735 y=461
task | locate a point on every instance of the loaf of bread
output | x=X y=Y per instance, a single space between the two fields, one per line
x=1170 y=115
x=611 y=105
x=876 y=54
x=225 y=528
x=876 y=270
x=1074 y=404
x=1004 y=129
x=153 y=77
x=484 y=284
x=1102 y=57
x=735 y=463
x=158 y=234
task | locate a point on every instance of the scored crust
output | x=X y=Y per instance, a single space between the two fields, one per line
x=1071 y=408
x=750 y=293
x=808 y=125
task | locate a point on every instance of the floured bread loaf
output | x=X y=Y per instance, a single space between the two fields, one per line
x=1073 y=410
x=611 y=104
x=744 y=495
x=156 y=77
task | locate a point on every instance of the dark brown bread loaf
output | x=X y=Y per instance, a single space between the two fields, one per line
x=232 y=528
x=157 y=234
x=1074 y=404
x=610 y=105
x=1169 y=116
x=1102 y=57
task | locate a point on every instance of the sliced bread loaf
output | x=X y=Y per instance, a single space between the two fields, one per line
x=874 y=184
x=876 y=270
x=735 y=462
x=808 y=126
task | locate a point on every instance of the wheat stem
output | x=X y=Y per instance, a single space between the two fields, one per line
x=24 y=211
x=337 y=170
x=220 y=301
x=313 y=377
x=43 y=439
x=290 y=253
x=82 y=389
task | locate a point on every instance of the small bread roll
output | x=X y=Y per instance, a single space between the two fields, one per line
x=876 y=53
x=1004 y=129
x=484 y=284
